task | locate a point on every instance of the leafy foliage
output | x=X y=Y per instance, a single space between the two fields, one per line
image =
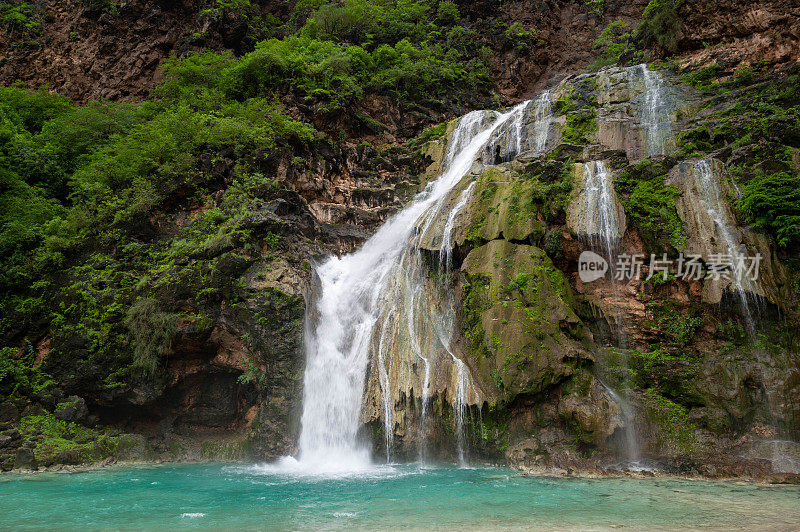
x=152 y=331
x=661 y=24
x=650 y=204
x=772 y=202
x=20 y=16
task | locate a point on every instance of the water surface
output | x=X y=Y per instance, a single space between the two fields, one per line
x=385 y=497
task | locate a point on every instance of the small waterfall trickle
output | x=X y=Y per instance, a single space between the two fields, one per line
x=372 y=306
x=603 y=226
x=599 y=220
x=712 y=201
x=655 y=113
x=629 y=432
x=544 y=118
x=446 y=249
x=460 y=407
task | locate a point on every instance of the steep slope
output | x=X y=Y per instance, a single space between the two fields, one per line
x=159 y=253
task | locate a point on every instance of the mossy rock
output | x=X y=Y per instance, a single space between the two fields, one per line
x=521 y=332
x=503 y=206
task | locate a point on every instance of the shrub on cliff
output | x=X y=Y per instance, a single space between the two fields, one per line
x=152 y=331
x=661 y=25
x=772 y=202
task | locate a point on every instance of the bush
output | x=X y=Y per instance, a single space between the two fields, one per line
x=152 y=331
x=772 y=203
x=615 y=42
x=20 y=16
x=661 y=25
x=650 y=204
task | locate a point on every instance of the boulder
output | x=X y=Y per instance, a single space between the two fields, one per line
x=25 y=459
x=73 y=408
x=9 y=412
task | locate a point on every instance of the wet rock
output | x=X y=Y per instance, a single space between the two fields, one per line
x=72 y=409
x=9 y=412
x=523 y=325
x=25 y=459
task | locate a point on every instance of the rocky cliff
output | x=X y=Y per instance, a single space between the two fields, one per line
x=168 y=322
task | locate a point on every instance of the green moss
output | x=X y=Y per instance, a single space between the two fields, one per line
x=579 y=127
x=650 y=205
x=677 y=431
x=516 y=314
x=226 y=451
x=53 y=439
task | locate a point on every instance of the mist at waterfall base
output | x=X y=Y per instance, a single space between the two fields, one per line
x=213 y=496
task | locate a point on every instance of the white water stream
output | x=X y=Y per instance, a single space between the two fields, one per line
x=655 y=113
x=369 y=302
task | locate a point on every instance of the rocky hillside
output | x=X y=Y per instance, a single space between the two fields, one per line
x=173 y=170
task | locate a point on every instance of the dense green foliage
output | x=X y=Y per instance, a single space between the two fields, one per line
x=660 y=24
x=82 y=188
x=18 y=17
x=618 y=43
x=650 y=205
x=772 y=201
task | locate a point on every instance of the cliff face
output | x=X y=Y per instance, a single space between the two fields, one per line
x=699 y=375
x=567 y=373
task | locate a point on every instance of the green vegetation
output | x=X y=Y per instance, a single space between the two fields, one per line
x=763 y=124
x=660 y=25
x=56 y=440
x=614 y=42
x=579 y=106
x=673 y=421
x=650 y=205
x=596 y=7
x=151 y=330
x=83 y=188
x=17 y=374
x=772 y=202
x=20 y=17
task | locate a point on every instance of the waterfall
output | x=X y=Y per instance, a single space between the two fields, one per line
x=544 y=117
x=460 y=406
x=655 y=113
x=602 y=223
x=712 y=201
x=628 y=414
x=597 y=217
x=373 y=302
x=446 y=249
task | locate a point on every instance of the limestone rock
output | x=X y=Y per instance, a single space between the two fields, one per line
x=521 y=330
x=25 y=459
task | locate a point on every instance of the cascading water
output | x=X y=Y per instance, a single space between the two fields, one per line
x=742 y=280
x=655 y=112
x=544 y=118
x=602 y=221
x=371 y=301
x=712 y=201
x=446 y=249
